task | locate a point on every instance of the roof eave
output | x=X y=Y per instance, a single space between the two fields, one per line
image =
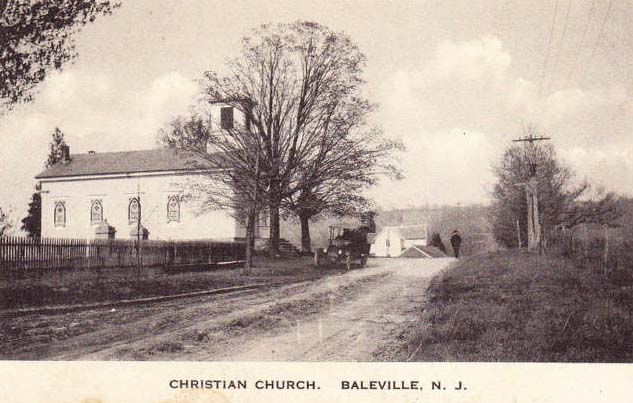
x=130 y=173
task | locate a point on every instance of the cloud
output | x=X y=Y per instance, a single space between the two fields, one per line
x=98 y=115
x=474 y=79
x=567 y=103
x=471 y=87
x=59 y=89
x=168 y=94
x=94 y=113
x=609 y=164
x=448 y=166
x=470 y=60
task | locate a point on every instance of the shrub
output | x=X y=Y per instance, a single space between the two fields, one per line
x=436 y=240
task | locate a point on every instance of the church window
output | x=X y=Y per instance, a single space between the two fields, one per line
x=96 y=212
x=59 y=215
x=133 y=210
x=173 y=209
x=226 y=118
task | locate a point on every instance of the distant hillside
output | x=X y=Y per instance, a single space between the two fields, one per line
x=471 y=218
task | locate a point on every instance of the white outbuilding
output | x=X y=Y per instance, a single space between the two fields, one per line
x=392 y=241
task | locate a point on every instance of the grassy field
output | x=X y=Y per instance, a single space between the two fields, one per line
x=518 y=307
x=87 y=286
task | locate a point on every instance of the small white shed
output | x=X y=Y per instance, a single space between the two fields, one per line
x=392 y=241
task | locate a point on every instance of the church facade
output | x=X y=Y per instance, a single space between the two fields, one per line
x=97 y=195
x=85 y=193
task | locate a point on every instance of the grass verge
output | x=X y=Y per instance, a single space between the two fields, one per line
x=519 y=307
x=87 y=286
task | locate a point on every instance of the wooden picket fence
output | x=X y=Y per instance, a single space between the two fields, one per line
x=37 y=254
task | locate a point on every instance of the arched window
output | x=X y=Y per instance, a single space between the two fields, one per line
x=96 y=212
x=133 y=210
x=59 y=215
x=173 y=209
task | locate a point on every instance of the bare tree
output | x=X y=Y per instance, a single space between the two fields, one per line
x=289 y=81
x=332 y=181
x=37 y=36
x=229 y=158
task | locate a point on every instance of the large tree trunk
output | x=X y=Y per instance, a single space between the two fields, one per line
x=274 y=233
x=250 y=243
x=306 y=244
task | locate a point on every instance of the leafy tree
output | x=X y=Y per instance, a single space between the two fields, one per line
x=560 y=199
x=37 y=36
x=186 y=132
x=368 y=218
x=32 y=223
x=291 y=82
x=436 y=240
x=56 y=145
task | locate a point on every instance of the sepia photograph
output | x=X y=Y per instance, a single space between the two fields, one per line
x=315 y=182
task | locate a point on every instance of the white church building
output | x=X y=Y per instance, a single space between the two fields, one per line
x=84 y=191
x=85 y=194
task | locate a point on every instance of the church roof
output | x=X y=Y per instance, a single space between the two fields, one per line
x=155 y=160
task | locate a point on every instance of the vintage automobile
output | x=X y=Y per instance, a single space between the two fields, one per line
x=348 y=244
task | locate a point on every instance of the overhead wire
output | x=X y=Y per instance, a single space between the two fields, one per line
x=562 y=39
x=572 y=66
x=549 y=47
x=599 y=37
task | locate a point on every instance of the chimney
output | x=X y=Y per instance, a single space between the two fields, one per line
x=65 y=154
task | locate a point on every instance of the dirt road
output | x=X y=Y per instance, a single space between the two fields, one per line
x=345 y=317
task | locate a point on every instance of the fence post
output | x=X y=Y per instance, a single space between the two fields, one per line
x=586 y=232
x=606 y=248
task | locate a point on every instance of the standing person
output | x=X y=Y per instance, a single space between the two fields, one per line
x=456 y=241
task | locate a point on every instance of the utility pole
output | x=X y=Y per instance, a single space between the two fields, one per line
x=252 y=221
x=138 y=230
x=531 y=194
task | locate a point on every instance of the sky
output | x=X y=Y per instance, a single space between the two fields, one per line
x=456 y=81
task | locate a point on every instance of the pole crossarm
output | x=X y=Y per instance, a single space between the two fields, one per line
x=530 y=139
